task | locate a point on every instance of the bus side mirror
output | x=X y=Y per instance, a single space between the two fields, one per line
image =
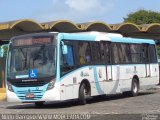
x=64 y=49
x=1 y=52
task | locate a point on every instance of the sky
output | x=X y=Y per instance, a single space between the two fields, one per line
x=78 y=11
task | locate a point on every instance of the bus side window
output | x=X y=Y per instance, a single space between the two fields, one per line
x=146 y=53
x=95 y=48
x=124 y=54
x=136 y=53
x=105 y=52
x=152 y=54
x=84 y=52
x=67 y=60
x=115 y=53
x=69 y=56
x=102 y=51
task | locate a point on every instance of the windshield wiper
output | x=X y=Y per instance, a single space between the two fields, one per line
x=24 y=57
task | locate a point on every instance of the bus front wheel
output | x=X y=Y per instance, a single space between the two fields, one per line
x=134 y=87
x=83 y=92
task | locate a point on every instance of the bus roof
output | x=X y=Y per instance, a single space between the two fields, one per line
x=105 y=37
x=132 y=40
x=101 y=34
x=96 y=36
x=85 y=37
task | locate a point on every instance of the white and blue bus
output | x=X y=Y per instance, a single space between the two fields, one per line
x=45 y=67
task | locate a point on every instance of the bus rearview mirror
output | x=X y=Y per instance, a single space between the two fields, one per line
x=64 y=49
x=1 y=52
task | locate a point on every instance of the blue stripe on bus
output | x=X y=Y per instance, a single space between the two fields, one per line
x=99 y=90
x=85 y=37
x=72 y=72
x=59 y=38
x=132 y=40
x=98 y=87
x=81 y=37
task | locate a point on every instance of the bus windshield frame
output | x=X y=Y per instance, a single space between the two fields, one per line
x=39 y=58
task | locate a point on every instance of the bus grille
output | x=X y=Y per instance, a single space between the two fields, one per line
x=29 y=83
x=38 y=94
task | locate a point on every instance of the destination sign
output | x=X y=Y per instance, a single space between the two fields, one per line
x=32 y=41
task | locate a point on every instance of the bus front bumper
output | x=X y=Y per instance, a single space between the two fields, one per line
x=49 y=95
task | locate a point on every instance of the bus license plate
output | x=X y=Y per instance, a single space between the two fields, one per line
x=31 y=95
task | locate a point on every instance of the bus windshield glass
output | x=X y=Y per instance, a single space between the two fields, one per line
x=36 y=61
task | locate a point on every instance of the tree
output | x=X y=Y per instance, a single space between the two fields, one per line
x=158 y=50
x=143 y=17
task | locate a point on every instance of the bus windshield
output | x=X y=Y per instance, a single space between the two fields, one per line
x=23 y=60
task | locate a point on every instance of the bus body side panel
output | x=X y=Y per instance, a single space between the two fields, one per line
x=152 y=80
x=139 y=70
x=70 y=82
x=113 y=85
x=154 y=70
x=122 y=76
x=100 y=78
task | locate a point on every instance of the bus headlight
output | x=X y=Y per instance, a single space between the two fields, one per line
x=51 y=85
x=9 y=86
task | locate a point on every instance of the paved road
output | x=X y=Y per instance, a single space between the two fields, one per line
x=147 y=103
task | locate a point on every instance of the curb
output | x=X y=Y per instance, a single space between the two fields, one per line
x=158 y=86
x=2 y=96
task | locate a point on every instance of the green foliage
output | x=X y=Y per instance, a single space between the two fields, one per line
x=143 y=17
x=5 y=47
x=158 y=50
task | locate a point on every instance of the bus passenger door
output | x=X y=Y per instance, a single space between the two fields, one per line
x=105 y=49
x=67 y=64
x=153 y=70
x=147 y=63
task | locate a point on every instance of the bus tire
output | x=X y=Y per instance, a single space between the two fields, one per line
x=126 y=93
x=134 y=87
x=82 y=94
x=39 y=104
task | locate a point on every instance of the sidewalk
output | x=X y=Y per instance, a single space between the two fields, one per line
x=2 y=96
x=158 y=86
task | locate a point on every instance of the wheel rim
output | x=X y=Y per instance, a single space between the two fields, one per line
x=85 y=92
x=135 y=87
